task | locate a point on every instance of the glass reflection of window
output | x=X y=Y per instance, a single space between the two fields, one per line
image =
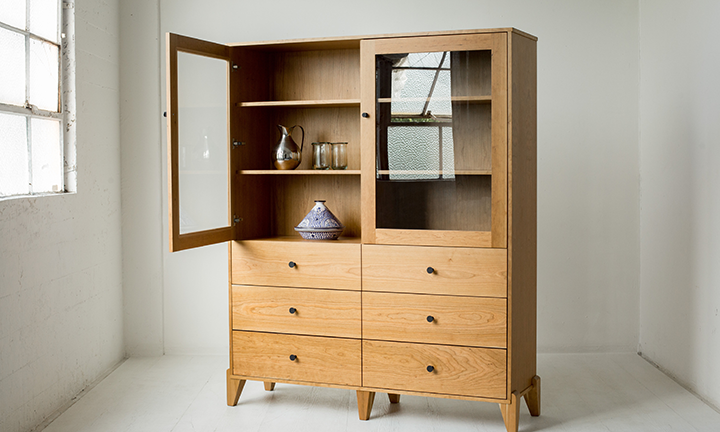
x=419 y=132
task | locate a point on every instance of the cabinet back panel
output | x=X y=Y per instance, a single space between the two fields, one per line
x=471 y=127
x=254 y=74
x=322 y=124
x=311 y=75
x=462 y=204
x=293 y=197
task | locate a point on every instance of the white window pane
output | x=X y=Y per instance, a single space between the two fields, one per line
x=46 y=155
x=14 y=155
x=44 y=18
x=44 y=87
x=12 y=71
x=12 y=12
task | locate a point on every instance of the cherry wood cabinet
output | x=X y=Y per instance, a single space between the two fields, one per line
x=431 y=290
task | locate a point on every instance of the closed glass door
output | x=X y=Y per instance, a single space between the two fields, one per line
x=440 y=140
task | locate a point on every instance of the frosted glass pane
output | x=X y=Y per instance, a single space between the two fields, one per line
x=440 y=100
x=448 y=153
x=413 y=149
x=44 y=18
x=46 y=156
x=202 y=143
x=12 y=71
x=14 y=160
x=44 y=86
x=427 y=59
x=12 y=12
x=410 y=89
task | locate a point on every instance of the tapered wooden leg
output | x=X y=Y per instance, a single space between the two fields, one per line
x=394 y=398
x=511 y=413
x=365 y=403
x=234 y=388
x=269 y=386
x=532 y=398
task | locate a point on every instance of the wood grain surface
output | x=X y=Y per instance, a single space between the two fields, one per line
x=468 y=321
x=457 y=271
x=318 y=359
x=316 y=312
x=332 y=265
x=457 y=370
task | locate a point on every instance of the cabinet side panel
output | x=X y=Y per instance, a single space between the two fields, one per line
x=255 y=128
x=522 y=262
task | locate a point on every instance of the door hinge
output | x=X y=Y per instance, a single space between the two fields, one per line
x=235 y=66
x=237 y=220
x=237 y=144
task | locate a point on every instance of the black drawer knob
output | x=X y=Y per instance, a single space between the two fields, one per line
x=293 y=357
x=430 y=270
x=430 y=368
x=430 y=318
x=365 y=115
x=292 y=264
x=293 y=310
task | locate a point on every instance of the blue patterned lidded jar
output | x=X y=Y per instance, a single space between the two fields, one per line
x=320 y=224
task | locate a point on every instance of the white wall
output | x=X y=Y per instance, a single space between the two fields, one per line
x=680 y=183
x=588 y=216
x=142 y=149
x=60 y=261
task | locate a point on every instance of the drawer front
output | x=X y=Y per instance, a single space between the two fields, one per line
x=332 y=265
x=455 y=271
x=461 y=371
x=318 y=359
x=314 y=312
x=468 y=321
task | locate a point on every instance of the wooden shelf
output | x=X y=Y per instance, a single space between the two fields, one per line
x=300 y=172
x=297 y=238
x=469 y=99
x=434 y=172
x=334 y=103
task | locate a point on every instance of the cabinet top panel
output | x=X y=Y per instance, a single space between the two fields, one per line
x=348 y=42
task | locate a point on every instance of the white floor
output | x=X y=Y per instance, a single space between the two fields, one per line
x=580 y=392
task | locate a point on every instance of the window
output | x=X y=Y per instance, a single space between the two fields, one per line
x=36 y=101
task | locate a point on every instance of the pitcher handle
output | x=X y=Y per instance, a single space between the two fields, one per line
x=302 y=140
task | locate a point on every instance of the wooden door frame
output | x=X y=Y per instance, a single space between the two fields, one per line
x=497 y=43
x=174 y=44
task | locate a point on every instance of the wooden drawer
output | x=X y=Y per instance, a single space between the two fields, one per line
x=319 y=359
x=461 y=371
x=468 y=321
x=322 y=264
x=457 y=271
x=316 y=312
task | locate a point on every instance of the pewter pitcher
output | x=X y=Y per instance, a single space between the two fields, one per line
x=287 y=155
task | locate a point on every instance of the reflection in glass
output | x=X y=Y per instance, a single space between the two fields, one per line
x=434 y=140
x=202 y=143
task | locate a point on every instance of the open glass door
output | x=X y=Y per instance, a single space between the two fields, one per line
x=438 y=154
x=199 y=156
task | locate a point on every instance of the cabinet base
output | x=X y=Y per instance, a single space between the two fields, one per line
x=365 y=399
x=234 y=388
x=511 y=412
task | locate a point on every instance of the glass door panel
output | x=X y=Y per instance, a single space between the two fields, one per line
x=202 y=142
x=199 y=157
x=440 y=140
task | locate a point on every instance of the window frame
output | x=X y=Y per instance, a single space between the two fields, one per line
x=66 y=108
